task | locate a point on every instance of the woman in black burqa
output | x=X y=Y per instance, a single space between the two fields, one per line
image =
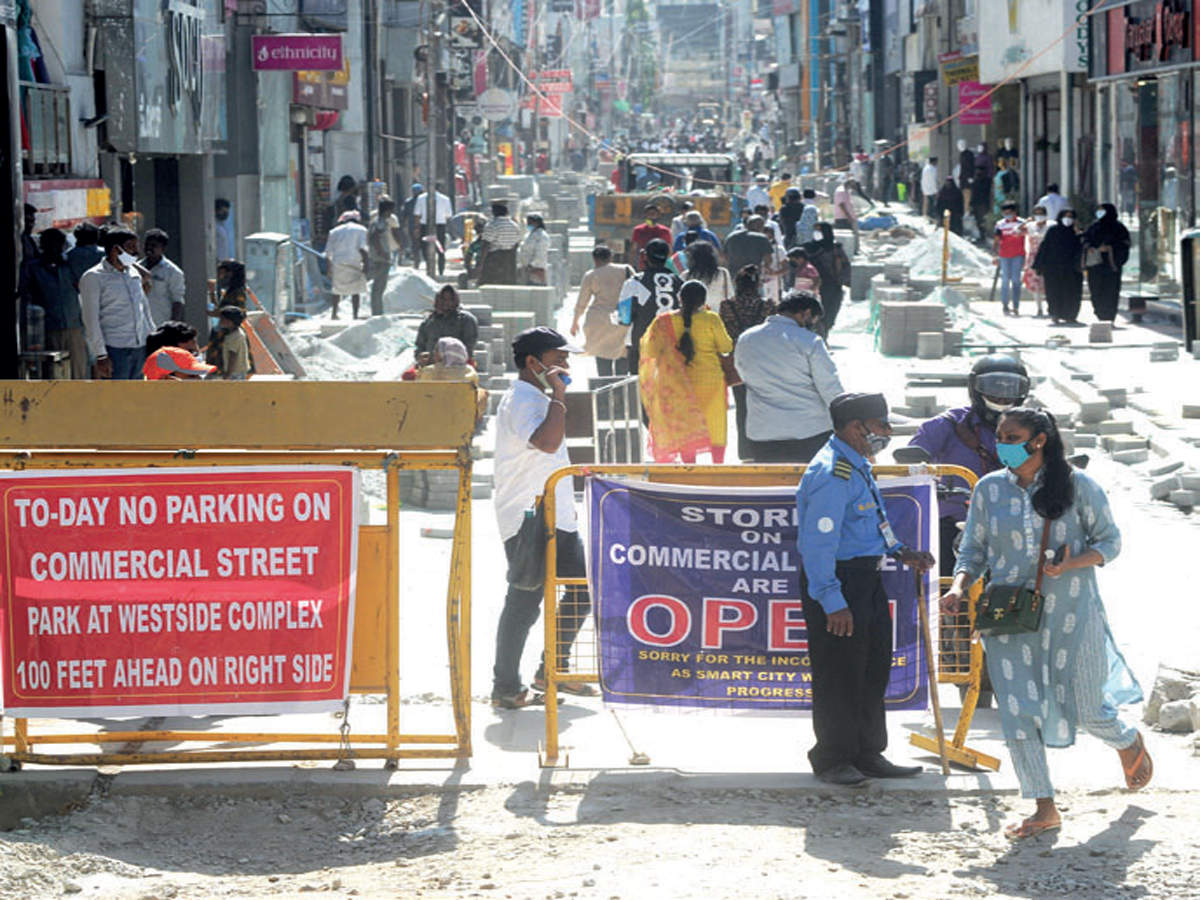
x=1059 y=262
x=1105 y=252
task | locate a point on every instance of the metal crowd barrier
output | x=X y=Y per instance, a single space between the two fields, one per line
x=617 y=429
x=955 y=665
x=388 y=426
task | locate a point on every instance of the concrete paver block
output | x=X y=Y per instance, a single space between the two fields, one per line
x=1191 y=410
x=1165 y=468
x=1190 y=481
x=1100 y=333
x=1112 y=426
x=1117 y=397
x=1163 y=487
x=1183 y=499
x=1094 y=410
x=1084 y=440
x=1131 y=457
x=1115 y=443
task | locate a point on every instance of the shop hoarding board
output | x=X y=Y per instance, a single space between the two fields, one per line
x=169 y=592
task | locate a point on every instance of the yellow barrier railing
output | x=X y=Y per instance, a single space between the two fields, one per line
x=407 y=426
x=583 y=657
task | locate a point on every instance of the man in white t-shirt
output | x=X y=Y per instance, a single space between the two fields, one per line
x=443 y=210
x=530 y=445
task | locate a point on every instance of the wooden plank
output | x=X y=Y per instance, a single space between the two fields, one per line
x=301 y=415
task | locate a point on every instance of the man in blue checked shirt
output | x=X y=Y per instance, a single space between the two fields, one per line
x=843 y=536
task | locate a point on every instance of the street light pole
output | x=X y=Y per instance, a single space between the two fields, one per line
x=431 y=142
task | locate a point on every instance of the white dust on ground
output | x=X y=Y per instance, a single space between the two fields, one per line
x=604 y=841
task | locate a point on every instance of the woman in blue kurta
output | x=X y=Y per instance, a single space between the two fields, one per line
x=1069 y=673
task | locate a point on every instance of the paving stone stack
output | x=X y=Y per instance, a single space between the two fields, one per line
x=429 y=489
x=540 y=302
x=520 y=185
x=860 y=279
x=901 y=323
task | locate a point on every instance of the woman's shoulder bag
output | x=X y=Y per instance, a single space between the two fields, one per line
x=1011 y=609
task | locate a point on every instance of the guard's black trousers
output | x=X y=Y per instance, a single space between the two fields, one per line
x=850 y=674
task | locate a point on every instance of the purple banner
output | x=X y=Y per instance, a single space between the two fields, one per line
x=697 y=595
x=297 y=52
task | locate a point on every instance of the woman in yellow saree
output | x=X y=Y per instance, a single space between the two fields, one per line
x=682 y=379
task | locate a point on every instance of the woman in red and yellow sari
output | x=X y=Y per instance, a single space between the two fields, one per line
x=682 y=378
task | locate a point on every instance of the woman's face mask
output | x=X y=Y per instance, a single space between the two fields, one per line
x=1068 y=221
x=1039 y=217
x=1013 y=456
x=1101 y=213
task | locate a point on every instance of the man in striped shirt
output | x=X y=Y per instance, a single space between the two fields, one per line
x=498 y=258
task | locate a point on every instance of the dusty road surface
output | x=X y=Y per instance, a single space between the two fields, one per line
x=598 y=840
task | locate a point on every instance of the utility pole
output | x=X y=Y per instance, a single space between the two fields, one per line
x=432 y=138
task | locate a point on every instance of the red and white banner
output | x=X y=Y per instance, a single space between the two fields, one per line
x=177 y=592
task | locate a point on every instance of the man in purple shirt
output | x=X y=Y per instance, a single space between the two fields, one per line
x=966 y=436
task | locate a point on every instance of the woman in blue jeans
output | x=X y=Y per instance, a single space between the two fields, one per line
x=1009 y=245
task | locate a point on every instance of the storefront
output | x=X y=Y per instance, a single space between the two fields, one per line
x=1145 y=58
x=161 y=70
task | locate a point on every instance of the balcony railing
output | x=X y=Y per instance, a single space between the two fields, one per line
x=47 y=112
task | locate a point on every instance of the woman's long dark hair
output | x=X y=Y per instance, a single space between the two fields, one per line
x=702 y=261
x=747 y=281
x=692 y=296
x=237 y=274
x=1057 y=493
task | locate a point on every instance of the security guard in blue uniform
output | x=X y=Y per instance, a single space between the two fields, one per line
x=843 y=536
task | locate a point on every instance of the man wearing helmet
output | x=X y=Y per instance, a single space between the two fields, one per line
x=966 y=436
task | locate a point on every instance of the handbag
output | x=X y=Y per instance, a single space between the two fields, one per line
x=1011 y=609
x=1092 y=257
x=527 y=568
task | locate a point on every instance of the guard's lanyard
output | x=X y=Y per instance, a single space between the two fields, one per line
x=885 y=528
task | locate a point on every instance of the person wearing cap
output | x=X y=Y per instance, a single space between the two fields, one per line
x=346 y=253
x=695 y=223
x=231 y=350
x=175 y=364
x=790 y=381
x=653 y=290
x=498 y=252
x=759 y=193
x=530 y=446
x=843 y=535
x=678 y=226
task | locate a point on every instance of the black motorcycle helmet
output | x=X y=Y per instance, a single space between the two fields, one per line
x=996 y=382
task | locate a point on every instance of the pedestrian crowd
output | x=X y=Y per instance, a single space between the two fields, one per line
x=111 y=301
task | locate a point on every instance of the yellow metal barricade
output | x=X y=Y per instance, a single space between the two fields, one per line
x=386 y=426
x=583 y=666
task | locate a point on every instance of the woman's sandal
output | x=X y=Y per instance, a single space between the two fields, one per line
x=1141 y=762
x=1030 y=828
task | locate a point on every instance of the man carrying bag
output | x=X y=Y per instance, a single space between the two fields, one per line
x=530 y=446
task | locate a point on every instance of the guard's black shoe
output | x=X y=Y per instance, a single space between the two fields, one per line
x=880 y=767
x=843 y=774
